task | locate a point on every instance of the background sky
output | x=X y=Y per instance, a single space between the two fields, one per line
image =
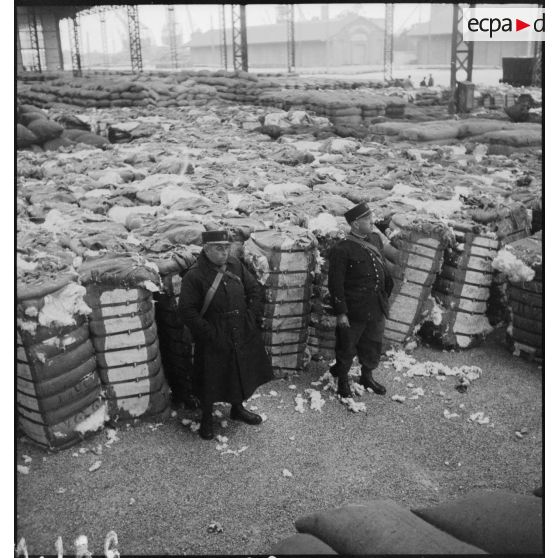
x=203 y=17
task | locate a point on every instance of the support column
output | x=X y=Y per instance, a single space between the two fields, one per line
x=51 y=39
x=290 y=38
x=33 y=33
x=240 y=44
x=222 y=23
x=73 y=28
x=171 y=22
x=104 y=39
x=135 y=41
x=388 y=44
x=461 y=55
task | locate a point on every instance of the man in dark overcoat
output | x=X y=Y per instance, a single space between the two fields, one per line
x=359 y=283
x=230 y=360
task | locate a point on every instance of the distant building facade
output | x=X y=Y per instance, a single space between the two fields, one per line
x=431 y=41
x=350 y=40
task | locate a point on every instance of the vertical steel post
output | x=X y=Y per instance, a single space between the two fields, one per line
x=34 y=36
x=290 y=37
x=135 y=39
x=461 y=55
x=104 y=40
x=240 y=45
x=73 y=28
x=388 y=44
x=222 y=24
x=171 y=21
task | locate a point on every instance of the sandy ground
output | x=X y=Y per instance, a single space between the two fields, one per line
x=160 y=486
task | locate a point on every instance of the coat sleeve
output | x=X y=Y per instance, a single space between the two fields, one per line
x=336 y=279
x=254 y=294
x=190 y=304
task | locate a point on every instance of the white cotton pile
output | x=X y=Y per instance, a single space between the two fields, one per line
x=120 y=214
x=285 y=190
x=61 y=307
x=171 y=194
x=438 y=369
x=399 y=359
x=316 y=400
x=512 y=267
x=450 y=415
x=353 y=406
x=280 y=119
x=479 y=417
x=323 y=224
x=436 y=313
x=299 y=403
x=339 y=145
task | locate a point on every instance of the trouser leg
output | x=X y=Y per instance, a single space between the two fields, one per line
x=346 y=339
x=369 y=353
x=206 y=424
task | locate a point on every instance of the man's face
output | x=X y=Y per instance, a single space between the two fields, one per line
x=364 y=225
x=217 y=253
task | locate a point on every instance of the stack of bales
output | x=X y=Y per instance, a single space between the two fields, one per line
x=58 y=394
x=372 y=109
x=521 y=263
x=462 y=289
x=36 y=132
x=416 y=250
x=175 y=339
x=322 y=324
x=283 y=261
x=124 y=335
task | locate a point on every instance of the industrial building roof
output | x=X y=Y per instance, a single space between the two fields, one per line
x=318 y=30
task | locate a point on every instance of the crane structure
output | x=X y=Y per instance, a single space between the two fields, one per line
x=171 y=20
x=289 y=12
x=104 y=40
x=222 y=24
x=461 y=55
x=135 y=39
x=74 y=30
x=240 y=43
x=34 y=37
x=388 y=43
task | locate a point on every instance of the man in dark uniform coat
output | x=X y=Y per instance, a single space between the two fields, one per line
x=359 y=284
x=230 y=360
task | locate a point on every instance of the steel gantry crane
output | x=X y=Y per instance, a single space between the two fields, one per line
x=223 y=50
x=388 y=43
x=34 y=37
x=171 y=21
x=289 y=12
x=135 y=40
x=240 y=43
x=74 y=31
x=461 y=55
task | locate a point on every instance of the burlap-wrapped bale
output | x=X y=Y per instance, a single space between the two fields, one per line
x=58 y=393
x=462 y=289
x=521 y=263
x=417 y=244
x=283 y=261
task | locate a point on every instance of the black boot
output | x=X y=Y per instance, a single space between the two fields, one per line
x=343 y=387
x=206 y=424
x=368 y=381
x=238 y=412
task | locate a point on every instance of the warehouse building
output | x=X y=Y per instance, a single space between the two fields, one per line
x=349 y=40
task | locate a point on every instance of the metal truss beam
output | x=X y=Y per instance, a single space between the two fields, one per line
x=34 y=36
x=290 y=37
x=240 y=44
x=388 y=44
x=223 y=49
x=171 y=20
x=461 y=55
x=74 y=31
x=104 y=40
x=135 y=39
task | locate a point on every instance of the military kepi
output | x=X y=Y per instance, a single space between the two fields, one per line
x=209 y=237
x=356 y=212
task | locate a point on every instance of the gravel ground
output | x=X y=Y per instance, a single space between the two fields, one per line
x=160 y=486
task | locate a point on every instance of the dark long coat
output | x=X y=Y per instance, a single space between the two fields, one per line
x=359 y=283
x=230 y=360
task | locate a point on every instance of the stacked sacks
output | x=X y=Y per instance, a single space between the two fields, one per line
x=124 y=334
x=58 y=394
x=416 y=250
x=521 y=263
x=322 y=324
x=175 y=340
x=462 y=289
x=283 y=262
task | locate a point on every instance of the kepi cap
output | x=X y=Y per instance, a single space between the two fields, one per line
x=215 y=237
x=358 y=211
